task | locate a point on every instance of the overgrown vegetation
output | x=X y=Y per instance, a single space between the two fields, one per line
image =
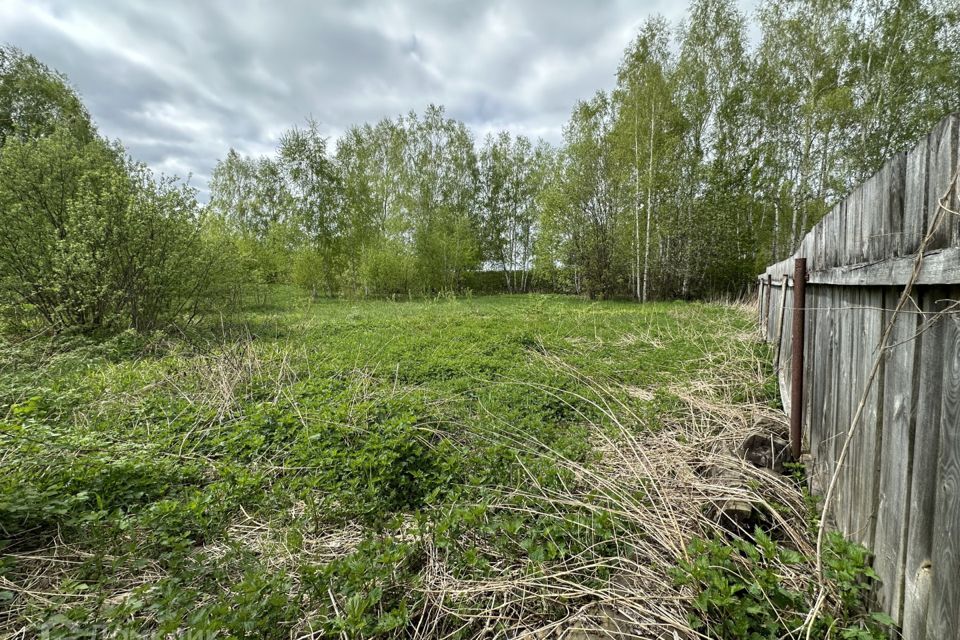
x=708 y=160
x=191 y=444
x=449 y=468
x=91 y=239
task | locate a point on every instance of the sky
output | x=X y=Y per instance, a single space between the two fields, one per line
x=180 y=82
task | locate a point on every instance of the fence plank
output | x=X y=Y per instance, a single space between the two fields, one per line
x=893 y=202
x=873 y=218
x=786 y=348
x=842 y=417
x=870 y=431
x=824 y=461
x=926 y=443
x=944 y=617
x=834 y=232
x=942 y=164
x=851 y=227
x=810 y=366
x=898 y=423
x=915 y=197
x=941 y=266
x=823 y=457
x=852 y=391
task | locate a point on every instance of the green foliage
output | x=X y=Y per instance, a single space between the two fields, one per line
x=93 y=241
x=591 y=242
x=219 y=483
x=512 y=174
x=739 y=592
x=372 y=586
x=35 y=100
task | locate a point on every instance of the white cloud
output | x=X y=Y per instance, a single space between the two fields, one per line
x=180 y=82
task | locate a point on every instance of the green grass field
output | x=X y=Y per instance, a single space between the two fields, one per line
x=447 y=468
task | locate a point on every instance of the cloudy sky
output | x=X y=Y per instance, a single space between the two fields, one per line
x=180 y=82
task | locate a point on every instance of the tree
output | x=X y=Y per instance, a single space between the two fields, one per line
x=35 y=100
x=717 y=206
x=512 y=174
x=313 y=182
x=647 y=130
x=903 y=78
x=804 y=62
x=370 y=162
x=583 y=214
x=251 y=198
x=439 y=195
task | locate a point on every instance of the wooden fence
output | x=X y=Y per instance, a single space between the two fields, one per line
x=898 y=490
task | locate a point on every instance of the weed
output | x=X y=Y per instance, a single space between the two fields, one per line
x=448 y=468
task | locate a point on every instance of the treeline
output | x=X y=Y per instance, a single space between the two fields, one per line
x=709 y=159
x=712 y=158
x=408 y=206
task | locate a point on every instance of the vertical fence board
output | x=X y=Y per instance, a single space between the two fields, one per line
x=851 y=227
x=816 y=260
x=873 y=218
x=850 y=469
x=834 y=247
x=893 y=199
x=824 y=461
x=915 y=197
x=944 y=616
x=786 y=346
x=955 y=194
x=871 y=439
x=926 y=443
x=810 y=365
x=900 y=367
x=842 y=417
x=942 y=164
x=832 y=408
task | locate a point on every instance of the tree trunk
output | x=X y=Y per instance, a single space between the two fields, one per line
x=646 y=250
x=636 y=200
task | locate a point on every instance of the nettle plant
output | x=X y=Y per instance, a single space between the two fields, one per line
x=740 y=592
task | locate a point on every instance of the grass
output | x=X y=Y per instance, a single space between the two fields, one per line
x=452 y=468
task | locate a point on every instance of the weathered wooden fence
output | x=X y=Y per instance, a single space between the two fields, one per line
x=898 y=491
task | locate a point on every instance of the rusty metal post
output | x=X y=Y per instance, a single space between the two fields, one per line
x=766 y=318
x=796 y=354
x=760 y=283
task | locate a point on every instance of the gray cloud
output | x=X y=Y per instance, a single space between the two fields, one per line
x=180 y=82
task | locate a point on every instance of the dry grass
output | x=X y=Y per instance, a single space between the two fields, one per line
x=663 y=488
x=661 y=485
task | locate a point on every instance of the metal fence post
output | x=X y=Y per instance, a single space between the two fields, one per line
x=766 y=317
x=796 y=352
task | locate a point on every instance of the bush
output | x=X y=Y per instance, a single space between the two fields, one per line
x=387 y=269
x=90 y=239
x=93 y=240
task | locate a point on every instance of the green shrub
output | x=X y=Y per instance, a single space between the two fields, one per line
x=92 y=240
x=739 y=592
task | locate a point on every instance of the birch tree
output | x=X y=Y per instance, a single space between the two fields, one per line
x=647 y=125
x=512 y=173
